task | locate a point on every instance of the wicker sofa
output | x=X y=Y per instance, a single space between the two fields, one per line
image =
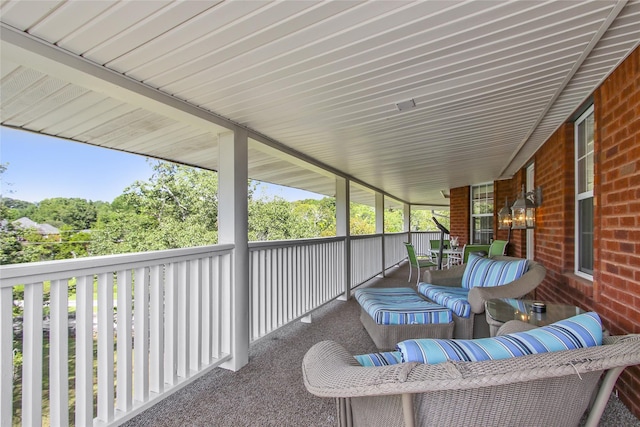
x=476 y=326
x=551 y=389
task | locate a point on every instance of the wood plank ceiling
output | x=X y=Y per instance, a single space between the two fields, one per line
x=491 y=81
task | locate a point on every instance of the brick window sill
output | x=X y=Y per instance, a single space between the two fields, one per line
x=582 y=285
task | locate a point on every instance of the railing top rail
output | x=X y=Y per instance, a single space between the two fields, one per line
x=34 y=272
x=296 y=242
x=366 y=236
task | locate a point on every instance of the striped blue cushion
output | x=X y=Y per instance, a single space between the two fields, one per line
x=488 y=272
x=455 y=299
x=379 y=359
x=400 y=306
x=583 y=330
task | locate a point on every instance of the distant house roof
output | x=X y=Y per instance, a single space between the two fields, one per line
x=47 y=229
x=43 y=229
x=25 y=222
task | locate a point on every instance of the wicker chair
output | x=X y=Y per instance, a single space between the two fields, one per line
x=476 y=326
x=551 y=389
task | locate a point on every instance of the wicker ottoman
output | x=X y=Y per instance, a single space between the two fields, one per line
x=391 y=315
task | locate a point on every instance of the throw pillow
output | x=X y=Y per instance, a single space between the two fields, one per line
x=489 y=272
x=583 y=330
x=379 y=359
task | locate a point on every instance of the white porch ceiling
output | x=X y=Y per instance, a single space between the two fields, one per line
x=492 y=80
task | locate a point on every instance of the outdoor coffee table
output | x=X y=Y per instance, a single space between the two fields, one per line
x=500 y=311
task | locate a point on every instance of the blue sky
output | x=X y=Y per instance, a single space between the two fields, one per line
x=41 y=167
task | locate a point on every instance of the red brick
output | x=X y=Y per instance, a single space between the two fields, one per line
x=615 y=290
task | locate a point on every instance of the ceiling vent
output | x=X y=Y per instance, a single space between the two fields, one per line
x=406 y=105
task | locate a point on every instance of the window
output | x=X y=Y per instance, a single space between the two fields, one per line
x=482 y=213
x=584 y=194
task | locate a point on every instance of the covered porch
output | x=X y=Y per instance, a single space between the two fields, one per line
x=228 y=398
x=412 y=105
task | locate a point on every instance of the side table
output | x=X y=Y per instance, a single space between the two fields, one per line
x=500 y=311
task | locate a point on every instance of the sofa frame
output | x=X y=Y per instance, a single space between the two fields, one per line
x=476 y=326
x=553 y=389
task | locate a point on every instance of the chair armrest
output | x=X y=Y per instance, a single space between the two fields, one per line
x=516 y=289
x=451 y=277
x=513 y=326
x=328 y=370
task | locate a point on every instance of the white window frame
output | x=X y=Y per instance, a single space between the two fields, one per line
x=473 y=216
x=579 y=196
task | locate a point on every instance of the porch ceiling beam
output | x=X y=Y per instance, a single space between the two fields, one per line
x=24 y=49
x=27 y=50
x=279 y=150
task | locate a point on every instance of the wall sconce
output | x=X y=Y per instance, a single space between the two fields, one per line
x=523 y=210
x=504 y=216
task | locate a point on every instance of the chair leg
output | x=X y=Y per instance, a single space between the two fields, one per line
x=602 y=397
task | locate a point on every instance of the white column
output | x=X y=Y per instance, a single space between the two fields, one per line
x=233 y=196
x=343 y=228
x=380 y=225
x=407 y=219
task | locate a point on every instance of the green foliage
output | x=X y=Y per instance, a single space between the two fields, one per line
x=421 y=220
x=272 y=220
x=73 y=244
x=12 y=248
x=316 y=218
x=363 y=219
x=17 y=208
x=393 y=221
x=177 y=207
x=77 y=213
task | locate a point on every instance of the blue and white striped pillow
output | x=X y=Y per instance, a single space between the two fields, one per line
x=583 y=330
x=486 y=272
x=379 y=359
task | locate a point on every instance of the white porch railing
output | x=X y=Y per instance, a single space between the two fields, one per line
x=172 y=325
x=420 y=240
x=291 y=278
x=394 y=249
x=366 y=258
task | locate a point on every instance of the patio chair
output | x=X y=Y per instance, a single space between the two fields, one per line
x=467 y=249
x=554 y=388
x=463 y=289
x=417 y=261
x=498 y=248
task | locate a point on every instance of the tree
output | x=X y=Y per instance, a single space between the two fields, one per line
x=363 y=219
x=393 y=220
x=17 y=208
x=272 y=219
x=77 y=213
x=422 y=220
x=177 y=207
x=317 y=218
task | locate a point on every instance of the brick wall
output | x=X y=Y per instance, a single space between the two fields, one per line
x=460 y=199
x=614 y=292
x=617 y=210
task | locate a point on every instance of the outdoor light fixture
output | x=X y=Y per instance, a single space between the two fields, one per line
x=504 y=216
x=523 y=210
